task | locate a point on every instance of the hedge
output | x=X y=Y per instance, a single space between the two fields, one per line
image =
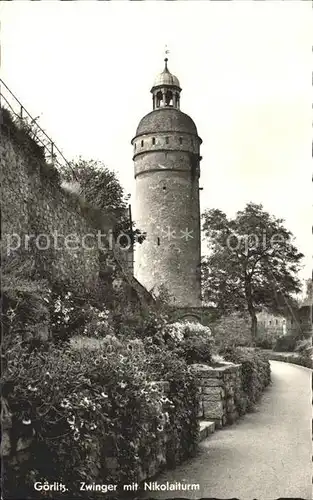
x=293 y=358
x=256 y=374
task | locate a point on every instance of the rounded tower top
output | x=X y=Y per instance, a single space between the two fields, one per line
x=166 y=78
x=166 y=115
x=167 y=119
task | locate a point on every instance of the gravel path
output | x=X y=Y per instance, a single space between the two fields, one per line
x=265 y=455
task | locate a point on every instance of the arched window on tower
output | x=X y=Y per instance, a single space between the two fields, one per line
x=159 y=99
x=169 y=98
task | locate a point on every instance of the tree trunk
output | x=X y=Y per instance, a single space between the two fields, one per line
x=254 y=326
x=251 y=310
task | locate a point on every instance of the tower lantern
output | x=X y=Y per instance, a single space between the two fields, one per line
x=166 y=89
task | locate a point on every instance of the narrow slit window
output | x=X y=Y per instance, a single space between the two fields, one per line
x=167 y=140
x=158 y=242
x=153 y=141
x=142 y=144
x=164 y=188
x=180 y=140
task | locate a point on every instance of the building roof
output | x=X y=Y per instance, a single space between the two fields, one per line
x=166 y=78
x=166 y=119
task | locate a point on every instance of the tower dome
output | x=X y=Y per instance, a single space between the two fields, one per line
x=167 y=119
x=166 y=78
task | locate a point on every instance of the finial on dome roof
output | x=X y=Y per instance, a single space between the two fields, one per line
x=166 y=58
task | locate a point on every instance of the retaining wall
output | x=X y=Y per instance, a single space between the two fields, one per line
x=220 y=388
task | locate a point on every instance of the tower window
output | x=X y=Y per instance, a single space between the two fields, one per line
x=153 y=140
x=158 y=242
x=159 y=99
x=180 y=140
x=164 y=188
x=167 y=140
x=142 y=144
x=169 y=99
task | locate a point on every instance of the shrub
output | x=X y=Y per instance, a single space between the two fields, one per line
x=294 y=358
x=184 y=394
x=304 y=360
x=304 y=347
x=193 y=341
x=95 y=412
x=24 y=309
x=285 y=343
x=265 y=341
x=72 y=313
x=256 y=373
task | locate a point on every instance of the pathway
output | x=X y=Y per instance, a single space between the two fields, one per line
x=265 y=455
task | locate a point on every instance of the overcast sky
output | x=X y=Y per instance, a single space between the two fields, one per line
x=245 y=67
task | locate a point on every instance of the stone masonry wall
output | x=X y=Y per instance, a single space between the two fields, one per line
x=219 y=388
x=168 y=211
x=43 y=221
x=33 y=206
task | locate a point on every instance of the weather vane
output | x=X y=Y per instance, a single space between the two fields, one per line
x=166 y=51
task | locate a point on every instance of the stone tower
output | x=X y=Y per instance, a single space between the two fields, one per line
x=167 y=170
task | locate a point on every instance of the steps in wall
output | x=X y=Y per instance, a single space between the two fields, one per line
x=207 y=427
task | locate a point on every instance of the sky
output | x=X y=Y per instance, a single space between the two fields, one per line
x=245 y=67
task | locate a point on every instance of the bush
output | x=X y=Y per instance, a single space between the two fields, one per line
x=304 y=360
x=285 y=343
x=265 y=341
x=72 y=313
x=256 y=374
x=95 y=412
x=88 y=398
x=304 y=347
x=191 y=341
x=294 y=358
x=184 y=394
x=24 y=309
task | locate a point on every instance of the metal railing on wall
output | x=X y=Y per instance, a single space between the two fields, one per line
x=52 y=153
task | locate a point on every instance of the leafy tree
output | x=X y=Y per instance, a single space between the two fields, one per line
x=252 y=263
x=308 y=292
x=101 y=189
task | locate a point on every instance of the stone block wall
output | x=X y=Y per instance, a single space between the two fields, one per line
x=42 y=221
x=220 y=388
x=32 y=206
